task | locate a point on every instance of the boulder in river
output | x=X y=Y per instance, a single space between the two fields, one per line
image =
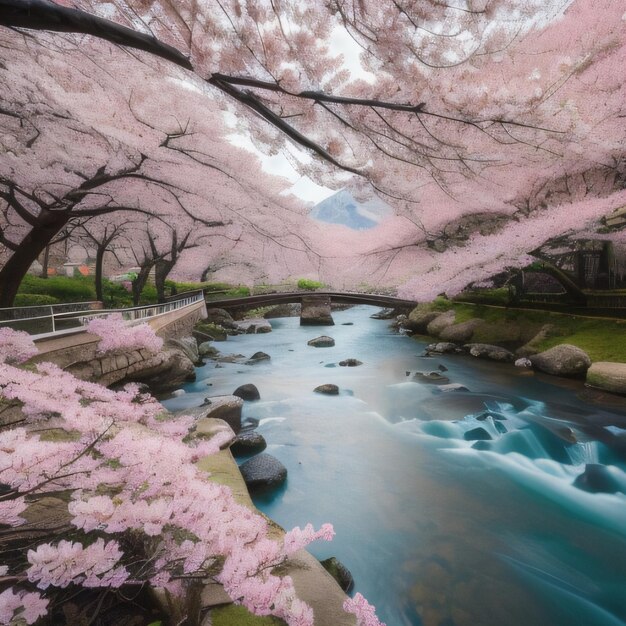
x=339 y=572
x=599 y=479
x=607 y=376
x=327 y=389
x=321 y=342
x=206 y=348
x=263 y=471
x=562 y=360
x=418 y=320
x=227 y=408
x=487 y=351
x=477 y=434
x=258 y=357
x=384 y=314
x=350 y=363
x=443 y=320
x=431 y=377
x=247 y=392
x=443 y=347
x=254 y=326
x=462 y=332
x=248 y=442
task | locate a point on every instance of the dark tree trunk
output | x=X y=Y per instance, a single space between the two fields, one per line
x=140 y=282
x=45 y=262
x=98 y=276
x=161 y=272
x=30 y=248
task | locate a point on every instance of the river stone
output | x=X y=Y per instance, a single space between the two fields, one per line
x=188 y=345
x=384 y=314
x=206 y=348
x=443 y=320
x=257 y=357
x=254 y=326
x=607 y=376
x=247 y=392
x=350 y=363
x=443 y=347
x=431 y=377
x=164 y=371
x=461 y=333
x=321 y=342
x=327 y=389
x=227 y=408
x=339 y=572
x=487 y=351
x=263 y=471
x=523 y=362
x=248 y=442
x=418 y=320
x=220 y=316
x=477 y=434
x=204 y=331
x=562 y=360
x=598 y=479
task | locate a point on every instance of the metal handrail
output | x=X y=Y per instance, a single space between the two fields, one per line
x=132 y=315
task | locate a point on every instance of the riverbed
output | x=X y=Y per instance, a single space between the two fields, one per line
x=439 y=527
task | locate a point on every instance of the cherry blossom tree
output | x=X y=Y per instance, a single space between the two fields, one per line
x=450 y=110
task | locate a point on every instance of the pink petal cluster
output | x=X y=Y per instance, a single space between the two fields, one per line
x=16 y=346
x=116 y=334
x=95 y=565
x=17 y=607
x=364 y=611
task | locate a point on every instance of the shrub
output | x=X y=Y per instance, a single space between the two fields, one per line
x=63 y=288
x=34 y=299
x=309 y=285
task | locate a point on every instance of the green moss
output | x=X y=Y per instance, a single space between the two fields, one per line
x=233 y=615
x=602 y=339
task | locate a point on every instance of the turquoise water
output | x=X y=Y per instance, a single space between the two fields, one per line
x=436 y=532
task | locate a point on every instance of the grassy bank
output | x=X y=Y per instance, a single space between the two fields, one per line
x=603 y=339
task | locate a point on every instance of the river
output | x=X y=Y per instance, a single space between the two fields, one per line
x=438 y=530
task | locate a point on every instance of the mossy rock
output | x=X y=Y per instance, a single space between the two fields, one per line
x=233 y=615
x=215 y=331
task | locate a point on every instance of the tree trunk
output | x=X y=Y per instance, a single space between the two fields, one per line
x=30 y=248
x=100 y=250
x=45 y=261
x=140 y=282
x=161 y=272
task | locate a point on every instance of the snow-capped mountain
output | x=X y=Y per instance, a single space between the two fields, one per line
x=342 y=208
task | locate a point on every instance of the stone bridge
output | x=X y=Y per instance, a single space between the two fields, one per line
x=316 y=306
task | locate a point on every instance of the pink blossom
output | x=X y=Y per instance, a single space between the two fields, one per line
x=16 y=346
x=116 y=334
x=365 y=612
x=67 y=562
x=17 y=606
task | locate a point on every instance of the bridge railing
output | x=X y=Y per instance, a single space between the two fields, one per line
x=57 y=323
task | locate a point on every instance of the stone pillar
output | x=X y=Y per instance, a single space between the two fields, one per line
x=316 y=311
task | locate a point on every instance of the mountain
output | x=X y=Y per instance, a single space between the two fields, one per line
x=342 y=208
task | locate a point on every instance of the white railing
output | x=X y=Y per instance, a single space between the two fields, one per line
x=71 y=322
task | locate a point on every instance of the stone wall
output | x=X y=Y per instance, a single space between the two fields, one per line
x=77 y=353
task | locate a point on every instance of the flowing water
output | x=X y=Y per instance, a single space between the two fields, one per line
x=438 y=530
